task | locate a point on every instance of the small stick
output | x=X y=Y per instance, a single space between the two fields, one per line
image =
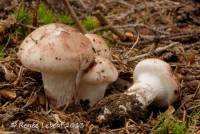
x=184 y=115
x=27 y=26
x=156 y=51
x=82 y=4
x=129 y=26
x=165 y=35
x=105 y=22
x=19 y=76
x=135 y=43
x=34 y=20
x=197 y=91
x=74 y=16
x=190 y=78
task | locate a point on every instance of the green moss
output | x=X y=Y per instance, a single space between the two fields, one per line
x=45 y=15
x=169 y=125
x=3 y=47
x=1 y=54
x=179 y=128
x=21 y=31
x=193 y=117
x=65 y=19
x=23 y=15
x=90 y=23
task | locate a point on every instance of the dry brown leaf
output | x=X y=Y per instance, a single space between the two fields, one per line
x=191 y=58
x=115 y=37
x=170 y=110
x=7 y=23
x=9 y=75
x=7 y=132
x=198 y=132
x=7 y=93
x=129 y=35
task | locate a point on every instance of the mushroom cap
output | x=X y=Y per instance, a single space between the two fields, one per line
x=99 y=45
x=102 y=71
x=158 y=74
x=152 y=65
x=56 y=47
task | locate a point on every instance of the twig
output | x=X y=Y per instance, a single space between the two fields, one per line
x=99 y=29
x=79 y=3
x=151 y=38
x=172 y=37
x=193 y=107
x=139 y=7
x=197 y=91
x=82 y=4
x=158 y=50
x=184 y=115
x=122 y=2
x=105 y=22
x=186 y=65
x=128 y=26
x=190 y=78
x=74 y=17
x=132 y=10
x=34 y=20
x=28 y=26
x=135 y=43
x=176 y=36
x=192 y=45
x=19 y=76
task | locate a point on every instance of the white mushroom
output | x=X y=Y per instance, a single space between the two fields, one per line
x=96 y=79
x=154 y=83
x=61 y=54
x=99 y=46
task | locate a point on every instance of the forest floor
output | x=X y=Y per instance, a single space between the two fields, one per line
x=134 y=30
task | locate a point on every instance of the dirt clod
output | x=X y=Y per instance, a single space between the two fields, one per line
x=113 y=110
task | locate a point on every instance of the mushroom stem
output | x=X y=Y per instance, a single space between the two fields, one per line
x=145 y=92
x=60 y=88
x=92 y=92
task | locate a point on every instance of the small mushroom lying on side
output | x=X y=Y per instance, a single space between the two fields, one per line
x=60 y=53
x=99 y=45
x=154 y=83
x=96 y=79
